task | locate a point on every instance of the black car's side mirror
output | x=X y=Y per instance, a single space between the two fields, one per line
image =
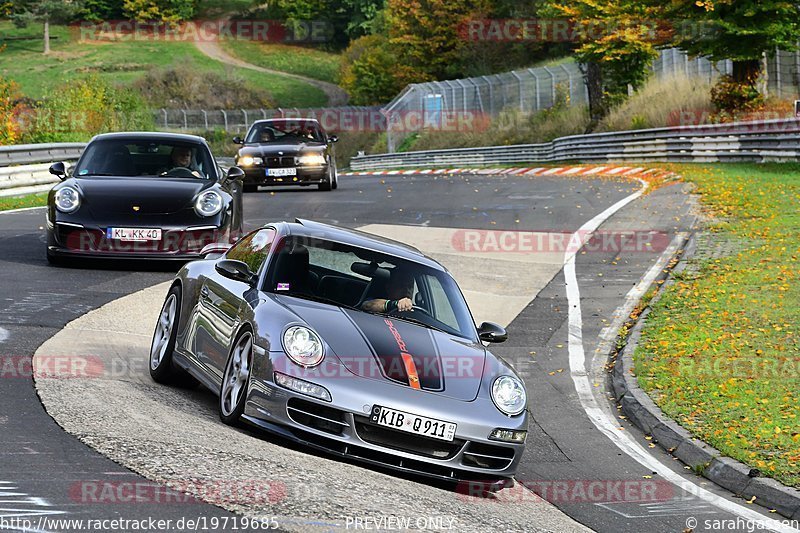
x=333 y=139
x=58 y=169
x=491 y=332
x=236 y=270
x=234 y=173
x=238 y=140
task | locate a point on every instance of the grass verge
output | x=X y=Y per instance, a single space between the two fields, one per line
x=719 y=352
x=18 y=202
x=309 y=62
x=123 y=62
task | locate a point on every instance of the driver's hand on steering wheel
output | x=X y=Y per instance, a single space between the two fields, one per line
x=405 y=304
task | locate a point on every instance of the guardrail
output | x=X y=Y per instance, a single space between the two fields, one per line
x=24 y=167
x=768 y=140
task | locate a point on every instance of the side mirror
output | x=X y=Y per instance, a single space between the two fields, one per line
x=214 y=250
x=333 y=139
x=236 y=270
x=238 y=140
x=58 y=169
x=235 y=173
x=491 y=332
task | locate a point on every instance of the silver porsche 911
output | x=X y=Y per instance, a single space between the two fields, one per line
x=346 y=342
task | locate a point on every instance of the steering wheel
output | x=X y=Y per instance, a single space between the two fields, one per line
x=413 y=309
x=176 y=170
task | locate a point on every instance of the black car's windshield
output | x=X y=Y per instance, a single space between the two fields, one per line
x=362 y=279
x=128 y=157
x=284 y=130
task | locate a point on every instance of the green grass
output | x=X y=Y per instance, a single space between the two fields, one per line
x=308 y=62
x=720 y=351
x=17 y=202
x=122 y=62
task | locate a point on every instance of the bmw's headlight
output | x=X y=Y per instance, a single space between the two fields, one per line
x=311 y=160
x=508 y=394
x=248 y=161
x=303 y=346
x=208 y=204
x=67 y=199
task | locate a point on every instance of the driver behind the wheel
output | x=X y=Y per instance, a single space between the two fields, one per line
x=398 y=291
x=181 y=157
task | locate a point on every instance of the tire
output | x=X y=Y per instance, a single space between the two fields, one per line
x=54 y=259
x=328 y=183
x=162 y=368
x=335 y=177
x=236 y=379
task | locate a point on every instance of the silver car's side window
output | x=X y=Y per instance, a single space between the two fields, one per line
x=253 y=248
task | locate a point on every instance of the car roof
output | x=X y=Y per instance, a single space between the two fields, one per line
x=362 y=239
x=150 y=136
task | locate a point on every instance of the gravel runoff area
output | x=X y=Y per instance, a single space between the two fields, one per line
x=174 y=436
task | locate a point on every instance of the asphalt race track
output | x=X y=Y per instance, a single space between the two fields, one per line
x=49 y=470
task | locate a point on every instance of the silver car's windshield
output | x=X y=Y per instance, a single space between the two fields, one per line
x=356 y=278
x=130 y=158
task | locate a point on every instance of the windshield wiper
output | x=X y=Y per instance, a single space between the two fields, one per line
x=316 y=298
x=413 y=321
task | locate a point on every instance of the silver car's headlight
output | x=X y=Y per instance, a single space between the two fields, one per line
x=508 y=394
x=311 y=160
x=67 y=199
x=303 y=346
x=208 y=204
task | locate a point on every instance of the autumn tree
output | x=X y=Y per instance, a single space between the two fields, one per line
x=426 y=35
x=739 y=30
x=170 y=11
x=615 y=42
x=25 y=12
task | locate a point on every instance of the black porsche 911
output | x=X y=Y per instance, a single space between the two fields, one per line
x=143 y=195
x=287 y=152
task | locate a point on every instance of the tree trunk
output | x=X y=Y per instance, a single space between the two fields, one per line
x=594 y=86
x=746 y=71
x=46 y=36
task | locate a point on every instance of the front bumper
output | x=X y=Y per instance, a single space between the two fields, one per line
x=179 y=243
x=305 y=176
x=342 y=427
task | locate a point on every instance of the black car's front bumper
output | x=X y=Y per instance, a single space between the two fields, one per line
x=257 y=175
x=90 y=241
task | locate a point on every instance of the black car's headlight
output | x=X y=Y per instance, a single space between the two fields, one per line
x=311 y=160
x=508 y=394
x=208 y=204
x=67 y=199
x=249 y=160
x=303 y=346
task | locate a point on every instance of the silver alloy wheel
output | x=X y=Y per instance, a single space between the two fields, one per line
x=237 y=373
x=166 y=322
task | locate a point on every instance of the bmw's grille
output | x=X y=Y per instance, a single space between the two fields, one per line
x=407 y=442
x=487 y=456
x=317 y=416
x=275 y=162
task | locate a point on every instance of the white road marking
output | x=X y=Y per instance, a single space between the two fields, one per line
x=21 y=209
x=4 y=334
x=608 y=426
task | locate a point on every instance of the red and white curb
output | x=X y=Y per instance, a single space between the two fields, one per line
x=582 y=170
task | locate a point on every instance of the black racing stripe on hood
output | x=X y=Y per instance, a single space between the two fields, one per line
x=417 y=341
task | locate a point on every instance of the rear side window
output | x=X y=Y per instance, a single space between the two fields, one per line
x=253 y=248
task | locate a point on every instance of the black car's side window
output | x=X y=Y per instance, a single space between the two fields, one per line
x=253 y=248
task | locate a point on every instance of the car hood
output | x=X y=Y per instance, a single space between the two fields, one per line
x=373 y=347
x=153 y=196
x=272 y=149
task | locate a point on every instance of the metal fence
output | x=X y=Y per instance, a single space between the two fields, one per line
x=24 y=167
x=239 y=120
x=769 y=140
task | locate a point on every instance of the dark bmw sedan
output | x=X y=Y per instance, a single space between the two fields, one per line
x=144 y=195
x=287 y=152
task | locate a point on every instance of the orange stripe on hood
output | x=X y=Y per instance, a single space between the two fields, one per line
x=411 y=370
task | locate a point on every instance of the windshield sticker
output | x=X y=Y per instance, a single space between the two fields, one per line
x=283 y=287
